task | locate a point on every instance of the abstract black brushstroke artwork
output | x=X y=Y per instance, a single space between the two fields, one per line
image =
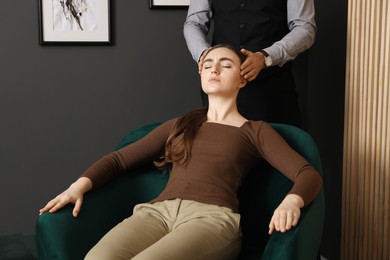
x=74 y=22
x=75 y=15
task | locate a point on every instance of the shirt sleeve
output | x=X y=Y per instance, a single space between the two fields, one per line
x=196 y=27
x=147 y=149
x=303 y=28
x=276 y=151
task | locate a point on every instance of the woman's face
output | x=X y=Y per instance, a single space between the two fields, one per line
x=220 y=74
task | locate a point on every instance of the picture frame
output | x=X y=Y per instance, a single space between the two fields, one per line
x=74 y=22
x=169 y=4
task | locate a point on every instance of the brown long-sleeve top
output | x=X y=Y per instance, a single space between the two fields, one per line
x=221 y=156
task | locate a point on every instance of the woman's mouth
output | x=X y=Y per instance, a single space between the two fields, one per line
x=214 y=79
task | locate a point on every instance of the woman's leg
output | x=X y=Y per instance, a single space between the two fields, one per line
x=202 y=232
x=130 y=237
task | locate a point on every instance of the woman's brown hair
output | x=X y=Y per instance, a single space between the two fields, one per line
x=179 y=142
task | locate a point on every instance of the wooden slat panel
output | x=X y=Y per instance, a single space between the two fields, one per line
x=366 y=170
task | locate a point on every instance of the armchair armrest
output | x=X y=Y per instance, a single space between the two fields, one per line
x=61 y=236
x=299 y=243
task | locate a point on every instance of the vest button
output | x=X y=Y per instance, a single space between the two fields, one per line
x=242 y=4
x=242 y=46
x=242 y=25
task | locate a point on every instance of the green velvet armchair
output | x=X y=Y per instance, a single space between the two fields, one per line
x=61 y=236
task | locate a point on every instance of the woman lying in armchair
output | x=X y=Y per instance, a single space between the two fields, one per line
x=209 y=152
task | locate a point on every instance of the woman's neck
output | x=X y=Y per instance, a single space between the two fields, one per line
x=225 y=113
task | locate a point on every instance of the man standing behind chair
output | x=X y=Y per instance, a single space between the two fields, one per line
x=271 y=33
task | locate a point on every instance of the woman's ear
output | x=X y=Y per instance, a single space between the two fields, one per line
x=243 y=82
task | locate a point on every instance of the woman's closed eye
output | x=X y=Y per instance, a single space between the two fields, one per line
x=208 y=66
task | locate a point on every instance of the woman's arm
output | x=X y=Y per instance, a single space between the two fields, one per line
x=144 y=150
x=277 y=152
x=307 y=180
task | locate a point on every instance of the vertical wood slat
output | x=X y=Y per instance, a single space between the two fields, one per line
x=366 y=170
x=386 y=166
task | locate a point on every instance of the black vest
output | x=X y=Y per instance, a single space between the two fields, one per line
x=253 y=25
x=249 y=24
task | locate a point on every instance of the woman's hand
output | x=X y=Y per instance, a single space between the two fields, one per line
x=252 y=65
x=74 y=194
x=286 y=214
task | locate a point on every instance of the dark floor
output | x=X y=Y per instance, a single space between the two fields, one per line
x=17 y=247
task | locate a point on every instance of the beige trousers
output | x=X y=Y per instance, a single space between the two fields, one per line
x=173 y=229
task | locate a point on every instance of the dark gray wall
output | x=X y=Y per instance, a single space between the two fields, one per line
x=62 y=107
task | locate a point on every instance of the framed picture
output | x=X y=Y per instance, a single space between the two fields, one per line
x=171 y=4
x=74 y=22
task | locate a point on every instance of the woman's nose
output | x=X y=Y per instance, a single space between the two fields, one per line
x=214 y=70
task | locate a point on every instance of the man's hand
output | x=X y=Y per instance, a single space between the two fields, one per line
x=201 y=61
x=252 y=65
